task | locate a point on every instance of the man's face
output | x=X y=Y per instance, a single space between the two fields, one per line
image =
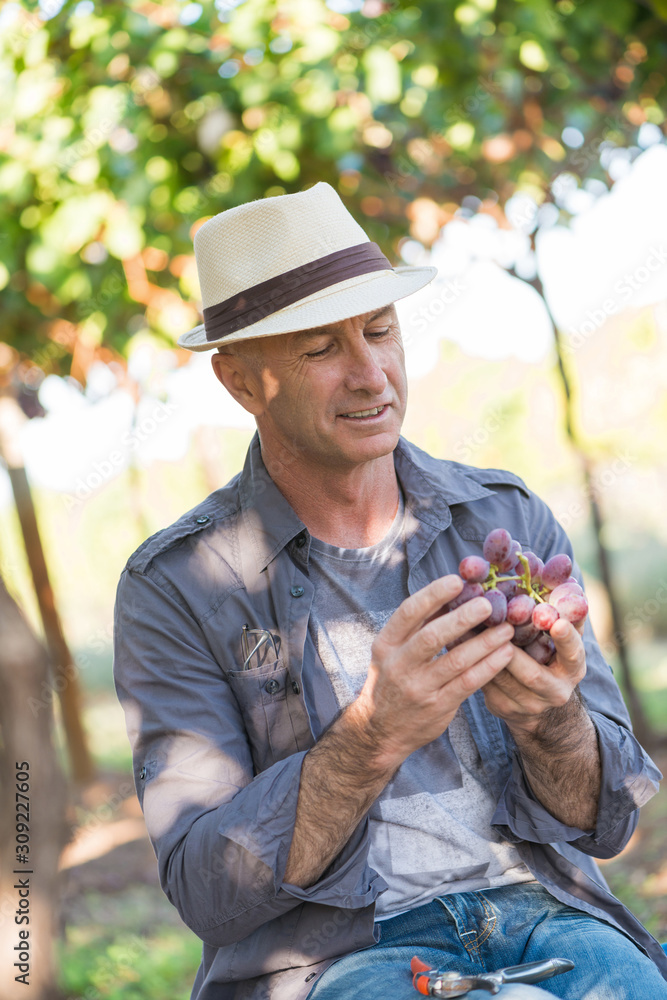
x=312 y=388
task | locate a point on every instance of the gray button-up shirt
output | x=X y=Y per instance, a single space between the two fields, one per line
x=218 y=750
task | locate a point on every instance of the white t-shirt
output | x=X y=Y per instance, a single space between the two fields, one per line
x=430 y=828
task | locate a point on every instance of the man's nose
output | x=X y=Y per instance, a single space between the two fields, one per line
x=364 y=370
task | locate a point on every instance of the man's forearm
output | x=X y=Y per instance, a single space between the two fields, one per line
x=341 y=777
x=561 y=760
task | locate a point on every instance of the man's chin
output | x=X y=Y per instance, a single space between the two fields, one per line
x=372 y=446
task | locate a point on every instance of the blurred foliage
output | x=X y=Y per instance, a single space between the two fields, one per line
x=124 y=125
x=111 y=964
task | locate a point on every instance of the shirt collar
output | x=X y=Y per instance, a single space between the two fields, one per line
x=267 y=516
x=433 y=485
x=430 y=487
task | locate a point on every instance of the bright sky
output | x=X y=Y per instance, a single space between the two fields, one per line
x=613 y=257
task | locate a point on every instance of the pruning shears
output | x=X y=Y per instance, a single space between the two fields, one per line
x=436 y=983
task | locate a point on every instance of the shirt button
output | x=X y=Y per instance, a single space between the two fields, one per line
x=203 y=519
x=301 y=540
x=311 y=976
x=296 y=591
x=295 y=687
x=272 y=686
x=142 y=773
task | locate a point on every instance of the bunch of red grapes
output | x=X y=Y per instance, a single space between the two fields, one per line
x=528 y=593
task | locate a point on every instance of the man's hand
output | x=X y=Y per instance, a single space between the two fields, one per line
x=525 y=690
x=555 y=736
x=411 y=694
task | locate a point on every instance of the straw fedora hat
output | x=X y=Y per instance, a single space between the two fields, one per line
x=290 y=263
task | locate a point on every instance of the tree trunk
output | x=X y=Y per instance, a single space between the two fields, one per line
x=31 y=815
x=65 y=673
x=641 y=725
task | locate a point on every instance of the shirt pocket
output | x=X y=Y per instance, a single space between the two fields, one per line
x=262 y=697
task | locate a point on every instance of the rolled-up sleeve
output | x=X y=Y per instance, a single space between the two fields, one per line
x=629 y=778
x=221 y=834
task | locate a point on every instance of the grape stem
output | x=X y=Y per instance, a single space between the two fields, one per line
x=523 y=578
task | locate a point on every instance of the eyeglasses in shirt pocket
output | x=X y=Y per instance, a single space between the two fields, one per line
x=262 y=695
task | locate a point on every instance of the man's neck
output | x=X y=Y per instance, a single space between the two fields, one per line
x=352 y=509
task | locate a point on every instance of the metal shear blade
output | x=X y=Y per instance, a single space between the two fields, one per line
x=432 y=982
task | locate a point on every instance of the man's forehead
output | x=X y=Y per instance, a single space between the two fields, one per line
x=318 y=331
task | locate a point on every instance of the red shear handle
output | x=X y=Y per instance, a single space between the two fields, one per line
x=419 y=981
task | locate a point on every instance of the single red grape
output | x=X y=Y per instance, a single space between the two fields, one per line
x=469 y=591
x=544 y=616
x=556 y=570
x=540 y=650
x=512 y=558
x=519 y=609
x=572 y=606
x=523 y=634
x=497 y=545
x=562 y=589
x=474 y=569
x=498 y=605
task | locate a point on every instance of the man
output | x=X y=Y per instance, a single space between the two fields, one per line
x=331 y=783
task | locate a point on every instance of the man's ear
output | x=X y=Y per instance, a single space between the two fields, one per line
x=239 y=380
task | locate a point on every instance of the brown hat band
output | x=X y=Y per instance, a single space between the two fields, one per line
x=254 y=303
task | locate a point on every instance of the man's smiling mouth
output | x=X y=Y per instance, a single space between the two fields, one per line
x=358 y=414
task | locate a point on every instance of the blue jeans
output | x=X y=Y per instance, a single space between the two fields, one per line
x=473 y=932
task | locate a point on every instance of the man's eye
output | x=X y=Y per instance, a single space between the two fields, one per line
x=374 y=334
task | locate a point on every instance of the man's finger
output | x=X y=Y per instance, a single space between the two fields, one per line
x=468 y=679
x=567 y=641
x=416 y=609
x=426 y=641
